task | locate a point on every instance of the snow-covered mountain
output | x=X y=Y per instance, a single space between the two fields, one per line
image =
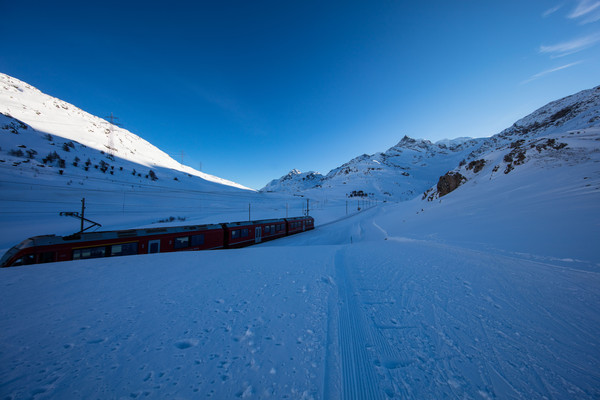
x=400 y=173
x=43 y=135
x=562 y=134
x=294 y=181
x=413 y=166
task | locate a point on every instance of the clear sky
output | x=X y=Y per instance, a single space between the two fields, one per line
x=253 y=89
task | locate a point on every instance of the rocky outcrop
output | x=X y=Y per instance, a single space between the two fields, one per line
x=449 y=182
x=476 y=165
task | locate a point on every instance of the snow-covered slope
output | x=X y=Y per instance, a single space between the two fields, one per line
x=554 y=139
x=492 y=293
x=578 y=111
x=35 y=126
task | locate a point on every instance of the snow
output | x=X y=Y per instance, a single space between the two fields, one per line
x=351 y=310
x=492 y=291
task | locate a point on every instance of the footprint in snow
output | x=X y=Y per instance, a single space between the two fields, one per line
x=186 y=344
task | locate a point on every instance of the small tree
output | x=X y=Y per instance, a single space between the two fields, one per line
x=16 y=153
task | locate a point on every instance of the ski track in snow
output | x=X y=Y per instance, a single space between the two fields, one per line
x=359 y=380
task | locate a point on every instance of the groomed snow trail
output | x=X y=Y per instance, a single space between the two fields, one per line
x=420 y=319
x=359 y=380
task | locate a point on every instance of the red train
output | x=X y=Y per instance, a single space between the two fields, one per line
x=52 y=248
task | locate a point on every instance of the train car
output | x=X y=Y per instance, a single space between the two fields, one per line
x=51 y=248
x=299 y=224
x=241 y=234
x=271 y=229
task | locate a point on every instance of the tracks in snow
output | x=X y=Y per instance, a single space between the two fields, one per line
x=365 y=355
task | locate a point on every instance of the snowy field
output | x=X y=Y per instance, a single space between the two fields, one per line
x=361 y=308
x=492 y=291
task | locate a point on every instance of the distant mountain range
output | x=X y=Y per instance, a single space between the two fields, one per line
x=415 y=166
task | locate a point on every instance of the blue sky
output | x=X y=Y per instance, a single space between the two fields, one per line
x=251 y=90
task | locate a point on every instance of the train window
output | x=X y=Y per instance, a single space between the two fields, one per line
x=154 y=246
x=182 y=242
x=25 y=260
x=90 y=252
x=245 y=232
x=267 y=229
x=272 y=228
x=47 y=257
x=124 y=249
x=197 y=240
x=235 y=234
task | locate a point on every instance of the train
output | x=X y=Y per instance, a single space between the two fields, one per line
x=80 y=246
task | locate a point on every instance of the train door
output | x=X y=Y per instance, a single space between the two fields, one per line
x=303 y=225
x=257 y=234
x=154 y=246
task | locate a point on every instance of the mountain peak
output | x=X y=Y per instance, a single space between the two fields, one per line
x=294 y=181
x=578 y=111
x=409 y=143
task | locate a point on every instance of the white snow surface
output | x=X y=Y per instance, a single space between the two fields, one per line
x=491 y=291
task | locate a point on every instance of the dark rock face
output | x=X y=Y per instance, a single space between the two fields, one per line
x=476 y=165
x=449 y=182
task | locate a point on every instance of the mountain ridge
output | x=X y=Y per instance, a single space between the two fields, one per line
x=413 y=166
x=31 y=118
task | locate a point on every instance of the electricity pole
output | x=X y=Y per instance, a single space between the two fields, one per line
x=80 y=217
x=82 y=213
x=111 y=143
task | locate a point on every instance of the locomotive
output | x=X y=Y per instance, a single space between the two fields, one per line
x=53 y=248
